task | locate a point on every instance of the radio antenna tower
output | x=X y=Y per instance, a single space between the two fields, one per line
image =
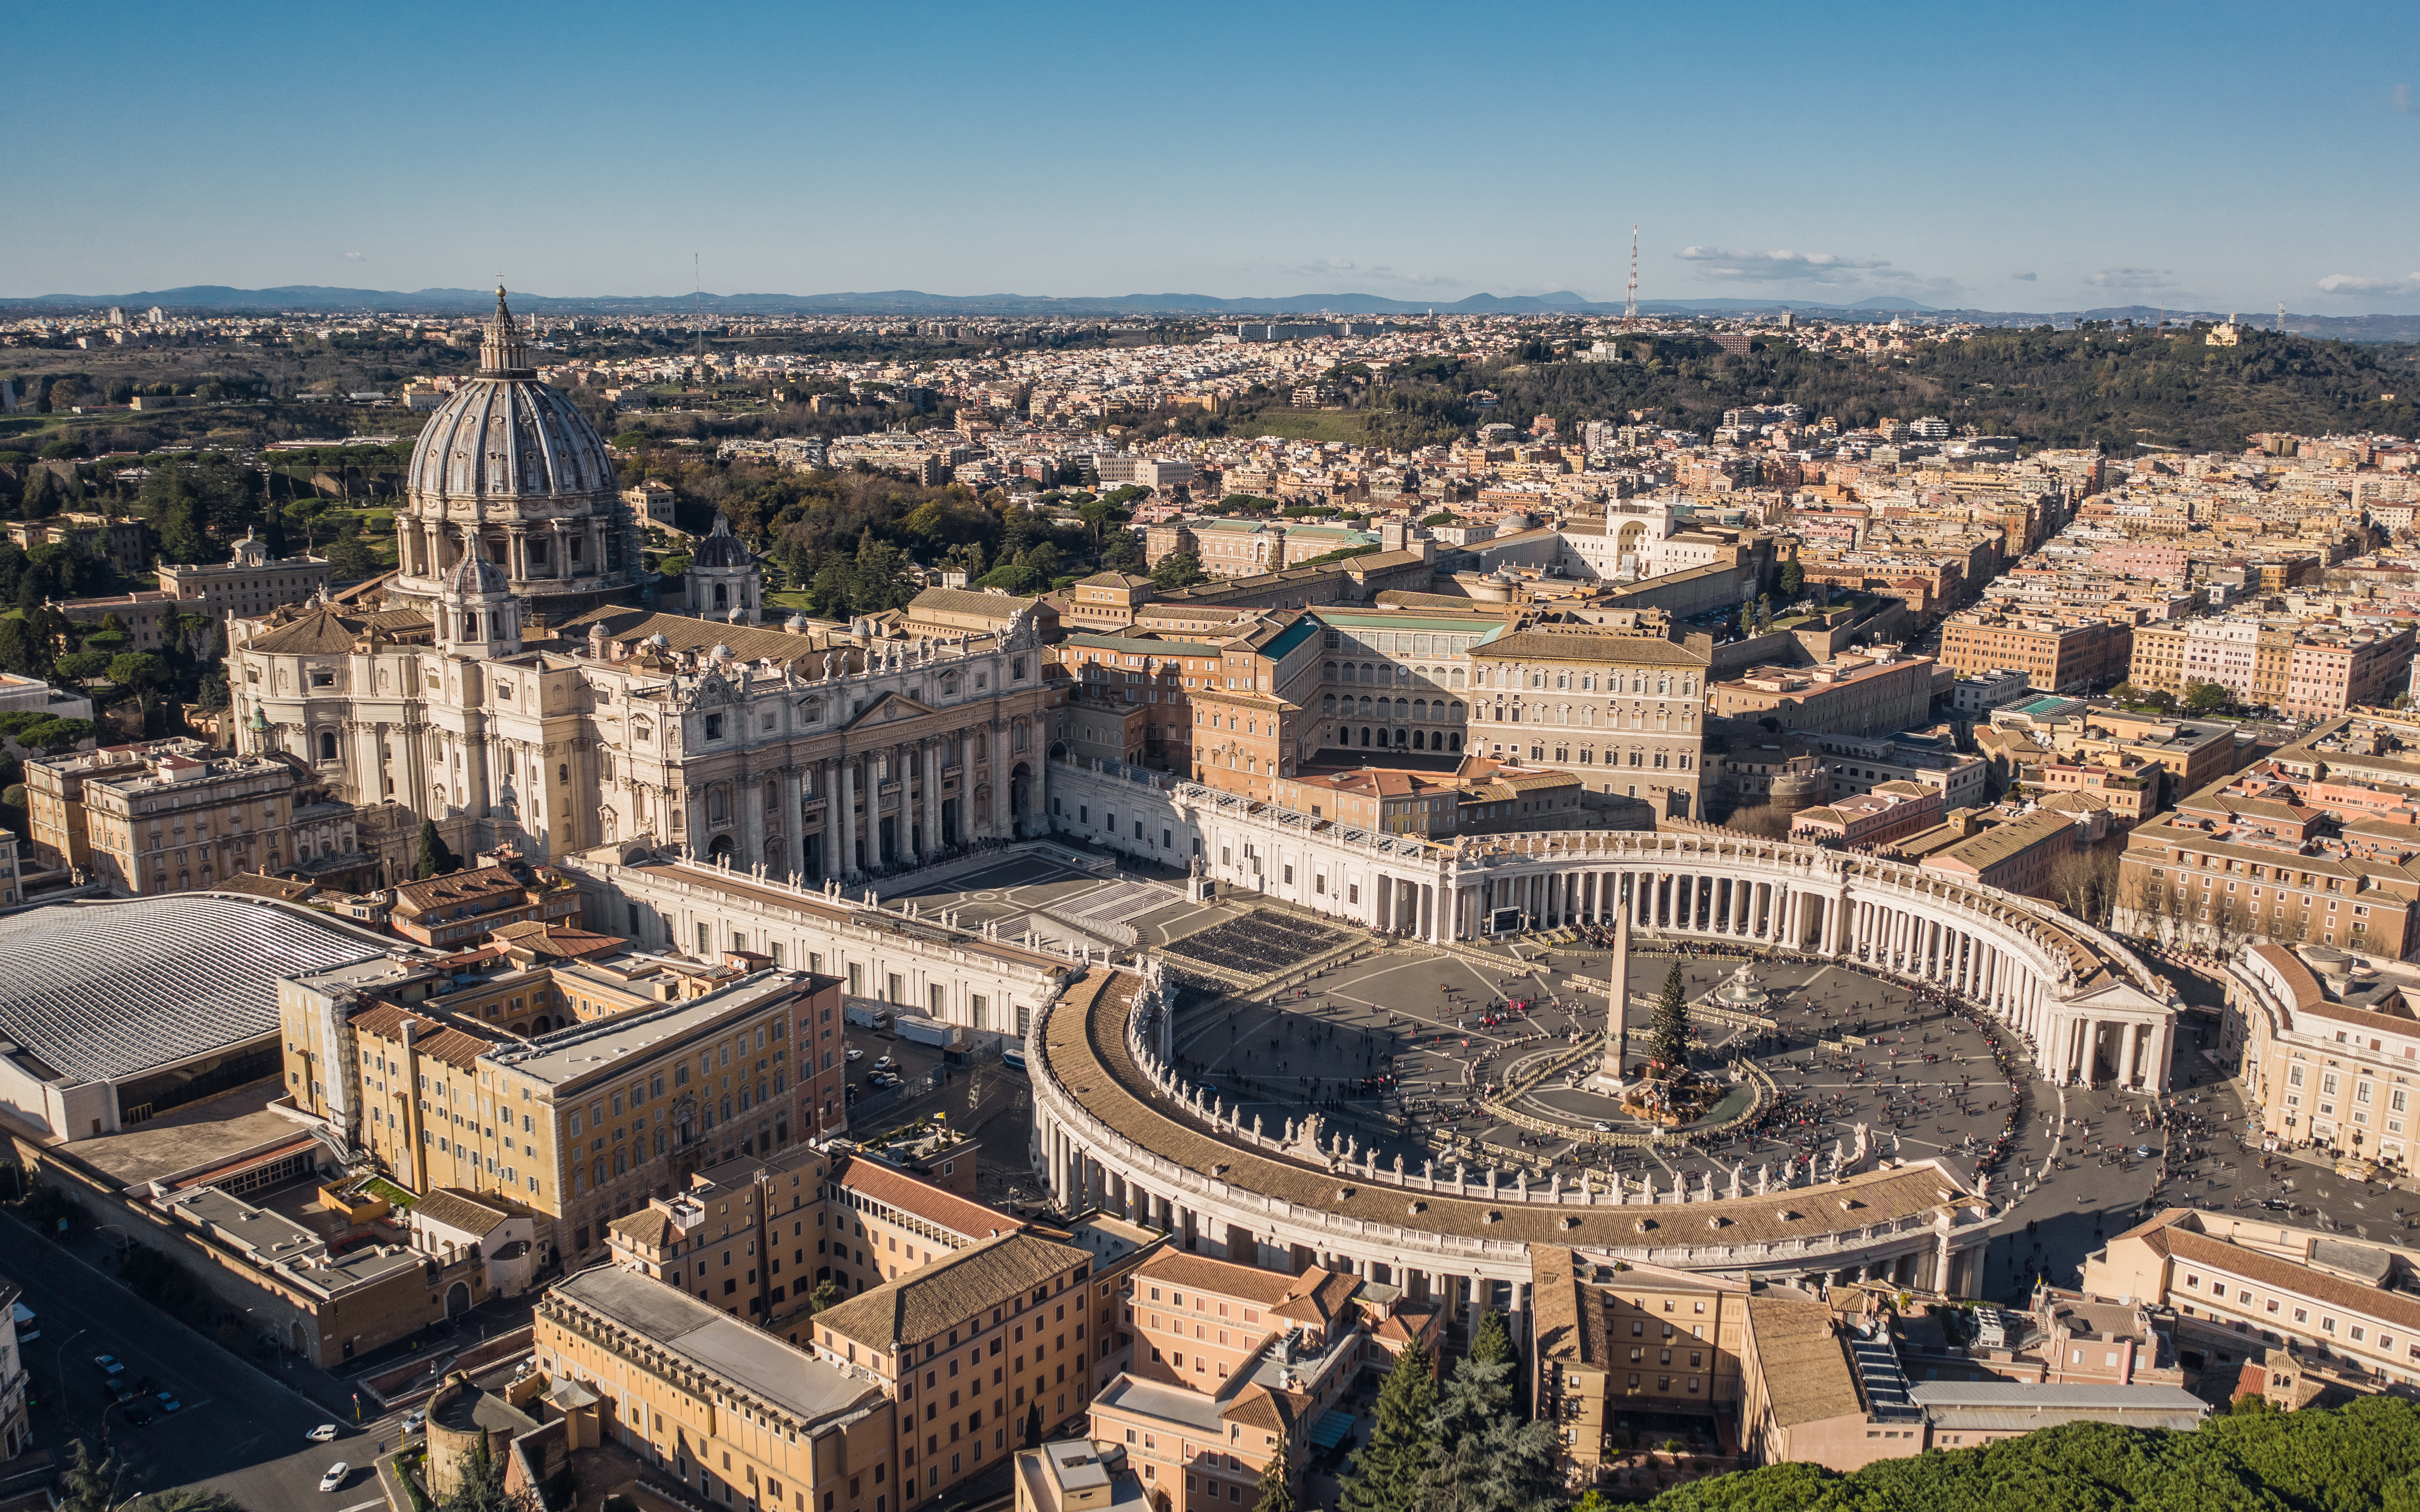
x=1630 y=307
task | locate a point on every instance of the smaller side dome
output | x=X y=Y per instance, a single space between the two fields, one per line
x=720 y=548
x=473 y=577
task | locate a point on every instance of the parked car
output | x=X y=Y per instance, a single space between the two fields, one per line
x=110 y=1364
x=855 y=1055
x=138 y=1416
x=885 y=1063
x=416 y=1420
x=168 y=1403
x=324 y=1432
x=334 y=1479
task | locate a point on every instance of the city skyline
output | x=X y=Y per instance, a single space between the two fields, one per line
x=2054 y=160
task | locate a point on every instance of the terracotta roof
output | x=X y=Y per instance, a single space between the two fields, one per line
x=1198 y=1272
x=682 y=633
x=940 y=1296
x=457 y=1209
x=1001 y=607
x=2174 y=1234
x=1807 y=1373
x=459 y=1048
x=478 y=884
x=910 y=1193
x=1557 y=643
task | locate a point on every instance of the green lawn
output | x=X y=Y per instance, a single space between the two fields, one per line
x=1302 y=424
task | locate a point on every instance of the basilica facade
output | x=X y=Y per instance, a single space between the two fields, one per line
x=506 y=679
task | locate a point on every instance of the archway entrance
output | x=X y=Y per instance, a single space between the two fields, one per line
x=457 y=1299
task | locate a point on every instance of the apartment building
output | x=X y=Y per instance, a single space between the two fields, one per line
x=973 y=1348
x=2056 y=655
x=582 y=1122
x=2157 y=661
x=2331 y=1050
x=1641 y=1343
x=1857 y=695
x=174 y=816
x=1623 y=712
x=2015 y=855
x=2249 y=657
x=1860 y=764
x=1890 y=812
x=2293 y=1297
x=2331 y=672
x=16 y=1426
x=1233 y=1364
x=738 y=1417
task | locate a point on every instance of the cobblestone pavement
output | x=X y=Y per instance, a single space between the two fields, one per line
x=2076 y=1166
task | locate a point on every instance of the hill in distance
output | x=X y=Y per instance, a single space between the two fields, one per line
x=213 y=298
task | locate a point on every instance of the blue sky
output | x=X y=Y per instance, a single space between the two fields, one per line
x=2044 y=156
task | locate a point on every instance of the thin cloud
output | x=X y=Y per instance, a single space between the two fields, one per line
x=2024 y=278
x=2401 y=98
x=357 y=257
x=2349 y=283
x=2131 y=278
x=1778 y=266
x=1340 y=262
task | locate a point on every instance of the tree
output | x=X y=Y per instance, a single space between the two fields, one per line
x=1277 y=1482
x=1794 y=578
x=1033 y=1424
x=1178 y=569
x=86 y=1485
x=1667 y=1029
x=83 y=666
x=1386 y=1474
x=2084 y=883
x=1483 y=1456
x=20 y=651
x=189 y=1498
x=479 y=1486
x=349 y=559
x=436 y=859
x=2205 y=697
x=135 y=668
x=827 y=1294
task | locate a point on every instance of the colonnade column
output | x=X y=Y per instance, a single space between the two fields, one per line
x=2133 y=1042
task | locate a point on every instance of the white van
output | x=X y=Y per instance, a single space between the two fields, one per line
x=27 y=1329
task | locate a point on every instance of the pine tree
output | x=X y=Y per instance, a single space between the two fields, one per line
x=1667 y=1030
x=1386 y=1474
x=436 y=858
x=1277 y=1483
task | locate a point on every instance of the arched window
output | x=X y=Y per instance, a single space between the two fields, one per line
x=1421 y=709
x=717 y=806
x=562 y=772
x=721 y=596
x=327 y=745
x=642 y=730
x=1328 y=704
x=1457 y=677
x=1419 y=738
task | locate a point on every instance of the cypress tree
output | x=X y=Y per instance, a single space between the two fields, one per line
x=1386 y=1474
x=1667 y=1030
x=1277 y=1485
x=436 y=858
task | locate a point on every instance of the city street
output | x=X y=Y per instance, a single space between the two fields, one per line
x=236 y=1428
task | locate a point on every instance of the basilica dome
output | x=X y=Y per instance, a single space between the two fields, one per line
x=519 y=439
x=508 y=471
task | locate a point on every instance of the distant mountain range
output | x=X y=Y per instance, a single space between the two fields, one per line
x=310 y=296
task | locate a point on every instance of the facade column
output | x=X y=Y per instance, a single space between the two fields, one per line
x=794 y=821
x=2126 y=1056
x=752 y=821
x=1000 y=782
x=845 y=800
x=932 y=805
x=828 y=786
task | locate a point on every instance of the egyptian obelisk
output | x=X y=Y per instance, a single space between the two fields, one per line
x=1617 y=1018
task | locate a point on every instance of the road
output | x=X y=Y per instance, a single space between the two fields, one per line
x=238 y=1429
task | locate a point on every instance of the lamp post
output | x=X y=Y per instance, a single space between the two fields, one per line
x=63 y=1368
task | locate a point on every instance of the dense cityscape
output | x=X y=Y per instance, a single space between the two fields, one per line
x=1692 y=783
